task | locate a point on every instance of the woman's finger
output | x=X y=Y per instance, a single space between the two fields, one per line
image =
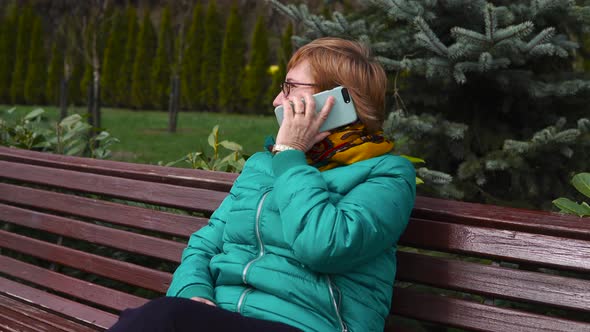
x=309 y=106
x=298 y=106
x=287 y=110
x=320 y=137
x=326 y=109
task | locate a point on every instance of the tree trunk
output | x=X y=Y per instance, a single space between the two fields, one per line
x=63 y=98
x=96 y=99
x=173 y=104
x=90 y=101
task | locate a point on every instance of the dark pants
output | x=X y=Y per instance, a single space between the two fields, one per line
x=171 y=314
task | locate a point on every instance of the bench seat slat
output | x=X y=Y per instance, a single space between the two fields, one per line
x=132 y=242
x=475 y=316
x=503 y=244
x=106 y=267
x=78 y=311
x=220 y=181
x=18 y=314
x=81 y=289
x=163 y=222
x=494 y=281
x=193 y=199
x=15 y=322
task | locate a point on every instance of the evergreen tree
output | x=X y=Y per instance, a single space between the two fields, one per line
x=7 y=52
x=211 y=57
x=54 y=75
x=283 y=55
x=19 y=75
x=37 y=68
x=257 y=78
x=125 y=72
x=484 y=93
x=146 y=47
x=86 y=78
x=232 y=63
x=114 y=56
x=164 y=56
x=191 y=78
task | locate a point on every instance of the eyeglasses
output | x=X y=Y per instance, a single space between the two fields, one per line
x=287 y=86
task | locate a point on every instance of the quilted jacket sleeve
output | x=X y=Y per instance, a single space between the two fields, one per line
x=334 y=237
x=192 y=277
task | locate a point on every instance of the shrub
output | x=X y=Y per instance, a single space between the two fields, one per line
x=232 y=162
x=69 y=137
x=581 y=182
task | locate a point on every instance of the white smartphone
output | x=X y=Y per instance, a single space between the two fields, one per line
x=343 y=111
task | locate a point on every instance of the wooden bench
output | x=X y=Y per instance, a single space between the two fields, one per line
x=83 y=239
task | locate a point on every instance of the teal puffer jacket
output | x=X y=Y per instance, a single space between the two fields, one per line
x=315 y=250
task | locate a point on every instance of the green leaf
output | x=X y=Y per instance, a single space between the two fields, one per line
x=213 y=136
x=568 y=206
x=102 y=135
x=76 y=150
x=582 y=182
x=419 y=180
x=70 y=120
x=231 y=145
x=34 y=113
x=414 y=160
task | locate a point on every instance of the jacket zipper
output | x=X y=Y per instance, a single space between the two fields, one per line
x=260 y=253
x=343 y=327
x=241 y=300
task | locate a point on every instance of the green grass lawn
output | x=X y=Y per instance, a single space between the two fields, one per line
x=144 y=138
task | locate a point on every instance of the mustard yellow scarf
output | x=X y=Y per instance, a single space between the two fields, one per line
x=348 y=145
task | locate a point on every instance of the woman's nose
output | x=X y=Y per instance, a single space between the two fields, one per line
x=278 y=99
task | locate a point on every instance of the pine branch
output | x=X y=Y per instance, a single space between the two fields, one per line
x=491 y=21
x=584 y=125
x=540 y=7
x=390 y=64
x=400 y=9
x=559 y=89
x=427 y=38
x=469 y=36
x=552 y=138
x=581 y=14
x=434 y=177
x=437 y=67
x=291 y=11
x=339 y=25
x=541 y=38
x=548 y=50
x=518 y=31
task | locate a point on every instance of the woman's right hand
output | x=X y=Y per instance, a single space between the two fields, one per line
x=202 y=300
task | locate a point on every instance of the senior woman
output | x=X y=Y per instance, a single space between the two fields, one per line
x=306 y=239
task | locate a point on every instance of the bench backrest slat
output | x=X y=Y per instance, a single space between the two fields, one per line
x=82 y=290
x=475 y=316
x=67 y=307
x=494 y=281
x=219 y=181
x=126 y=272
x=532 y=221
x=114 y=213
x=115 y=238
x=193 y=199
x=503 y=244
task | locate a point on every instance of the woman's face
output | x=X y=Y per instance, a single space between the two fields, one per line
x=299 y=74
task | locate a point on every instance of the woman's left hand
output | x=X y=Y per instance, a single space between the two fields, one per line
x=301 y=124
